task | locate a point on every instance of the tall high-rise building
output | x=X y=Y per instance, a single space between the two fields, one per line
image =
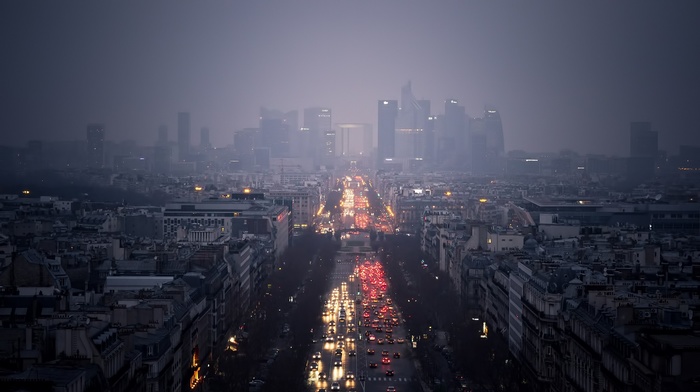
x=453 y=140
x=162 y=135
x=387 y=111
x=183 y=136
x=315 y=136
x=244 y=147
x=95 y=145
x=411 y=122
x=276 y=128
x=430 y=138
x=494 y=131
x=486 y=145
x=204 y=142
x=329 y=148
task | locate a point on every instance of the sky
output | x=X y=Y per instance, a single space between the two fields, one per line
x=563 y=74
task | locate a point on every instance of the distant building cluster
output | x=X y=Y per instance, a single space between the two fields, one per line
x=409 y=137
x=103 y=296
x=592 y=290
x=587 y=265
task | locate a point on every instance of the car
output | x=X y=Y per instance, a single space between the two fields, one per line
x=256 y=382
x=322 y=376
x=349 y=376
x=390 y=340
x=397 y=355
x=380 y=341
x=337 y=363
x=335 y=386
x=385 y=353
x=373 y=365
x=386 y=361
x=317 y=355
x=329 y=338
x=391 y=388
x=352 y=353
x=389 y=373
x=400 y=340
x=313 y=366
x=370 y=351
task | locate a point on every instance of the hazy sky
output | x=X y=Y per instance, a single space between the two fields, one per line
x=564 y=74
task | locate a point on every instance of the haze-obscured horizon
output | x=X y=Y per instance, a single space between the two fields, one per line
x=563 y=75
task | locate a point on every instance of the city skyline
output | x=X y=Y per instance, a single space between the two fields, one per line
x=562 y=76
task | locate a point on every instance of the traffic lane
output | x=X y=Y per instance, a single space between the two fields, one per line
x=326 y=365
x=403 y=366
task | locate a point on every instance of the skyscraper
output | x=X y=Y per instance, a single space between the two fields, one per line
x=162 y=135
x=183 y=136
x=204 y=142
x=410 y=125
x=494 y=131
x=486 y=145
x=275 y=130
x=329 y=148
x=244 y=147
x=453 y=135
x=387 y=110
x=95 y=145
x=315 y=135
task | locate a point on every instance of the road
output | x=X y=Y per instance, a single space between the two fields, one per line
x=364 y=306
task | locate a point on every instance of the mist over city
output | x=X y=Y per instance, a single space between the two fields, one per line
x=375 y=196
x=563 y=76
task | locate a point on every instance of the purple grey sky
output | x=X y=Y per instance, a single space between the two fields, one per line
x=564 y=74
